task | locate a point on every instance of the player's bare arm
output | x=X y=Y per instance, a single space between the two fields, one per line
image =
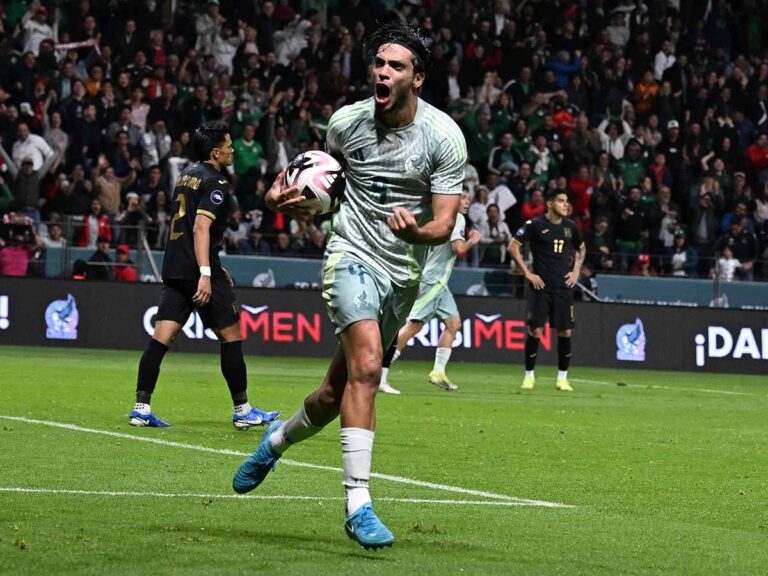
x=436 y=231
x=534 y=279
x=573 y=276
x=286 y=199
x=202 y=234
x=463 y=246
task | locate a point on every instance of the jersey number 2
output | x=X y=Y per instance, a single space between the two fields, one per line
x=558 y=246
x=180 y=214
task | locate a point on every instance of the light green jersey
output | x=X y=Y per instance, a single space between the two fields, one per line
x=388 y=168
x=441 y=259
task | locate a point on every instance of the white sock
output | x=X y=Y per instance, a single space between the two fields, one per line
x=143 y=409
x=395 y=356
x=562 y=374
x=442 y=355
x=242 y=409
x=384 y=372
x=529 y=373
x=296 y=429
x=356 y=449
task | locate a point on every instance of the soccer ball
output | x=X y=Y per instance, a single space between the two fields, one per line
x=320 y=179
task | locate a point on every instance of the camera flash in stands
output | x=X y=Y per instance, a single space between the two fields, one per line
x=4 y=323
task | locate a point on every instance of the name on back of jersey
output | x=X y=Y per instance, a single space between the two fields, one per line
x=187 y=181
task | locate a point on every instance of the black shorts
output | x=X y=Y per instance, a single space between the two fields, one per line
x=176 y=303
x=553 y=305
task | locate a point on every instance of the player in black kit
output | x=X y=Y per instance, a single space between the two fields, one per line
x=193 y=278
x=552 y=239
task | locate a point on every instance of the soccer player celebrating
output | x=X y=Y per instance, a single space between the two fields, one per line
x=193 y=278
x=435 y=300
x=552 y=238
x=404 y=162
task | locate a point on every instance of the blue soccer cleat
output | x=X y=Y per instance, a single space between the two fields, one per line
x=252 y=472
x=367 y=530
x=136 y=418
x=254 y=418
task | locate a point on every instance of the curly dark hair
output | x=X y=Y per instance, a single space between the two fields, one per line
x=397 y=31
x=207 y=137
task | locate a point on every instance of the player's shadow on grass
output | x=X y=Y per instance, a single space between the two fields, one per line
x=329 y=544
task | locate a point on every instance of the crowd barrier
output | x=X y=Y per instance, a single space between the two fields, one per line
x=69 y=313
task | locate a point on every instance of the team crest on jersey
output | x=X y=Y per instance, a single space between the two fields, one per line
x=217 y=197
x=567 y=232
x=415 y=163
x=520 y=231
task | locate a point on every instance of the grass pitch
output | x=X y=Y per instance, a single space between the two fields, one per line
x=663 y=476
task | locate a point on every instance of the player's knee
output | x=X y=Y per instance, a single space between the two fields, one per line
x=366 y=371
x=452 y=325
x=564 y=333
x=536 y=332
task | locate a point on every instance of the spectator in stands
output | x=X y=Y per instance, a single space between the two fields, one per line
x=19 y=244
x=248 y=154
x=95 y=225
x=682 y=260
x=25 y=187
x=132 y=219
x=124 y=124
x=314 y=247
x=256 y=245
x=236 y=233
x=35 y=24
x=534 y=207
x=632 y=228
x=478 y=209
x=703 y=230
x=600 y=245
x=280 y=150
x=611 y=139
x=100 y=263
x=283 y=247
x=108 y=187
x=743 y=246
x=494 y=238
x=123 y=269
x=159 y=211
x=642 y=266
x=74 y=197
x=54 y=239
x=155 y=144
x=727 y=266
x=31 y=146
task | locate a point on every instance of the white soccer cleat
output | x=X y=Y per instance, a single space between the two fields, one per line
x=387 y=389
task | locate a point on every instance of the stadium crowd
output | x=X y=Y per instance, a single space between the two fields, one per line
x=651 y=114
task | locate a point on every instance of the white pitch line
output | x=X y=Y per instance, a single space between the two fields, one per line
x=654 y=386
x=117 y=493
x=227 y=452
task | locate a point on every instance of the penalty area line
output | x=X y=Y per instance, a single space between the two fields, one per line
x=127 y=494
x=228 y=452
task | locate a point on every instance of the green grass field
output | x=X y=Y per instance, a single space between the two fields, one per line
x=666 y=475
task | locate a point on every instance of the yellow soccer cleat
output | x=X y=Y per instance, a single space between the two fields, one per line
x=564 y=385
x=528 y=383
x=440 y=380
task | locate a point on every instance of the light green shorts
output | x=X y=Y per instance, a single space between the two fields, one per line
x=433 y=300
x=352 y=291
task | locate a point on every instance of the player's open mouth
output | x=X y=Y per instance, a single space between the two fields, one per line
x=382 y=93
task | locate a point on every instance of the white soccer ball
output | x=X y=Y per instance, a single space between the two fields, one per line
x=320 y=179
